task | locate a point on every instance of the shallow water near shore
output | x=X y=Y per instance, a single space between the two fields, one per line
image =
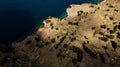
x=19 y=18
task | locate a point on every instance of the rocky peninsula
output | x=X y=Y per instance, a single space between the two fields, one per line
x=89 y=36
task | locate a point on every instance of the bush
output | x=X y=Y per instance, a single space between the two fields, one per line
x=103 y=26
x=110 y=36
x=78 y=51
x=114 y=44
x=53 y=40
x=37 y=38
x=93 y=28
x=102 y=58
x=92 y=54
x=119 y=27
x=118 y=35
x=111 y=18
x=103 y=38
x=65 y=45
x=101 y=33
x=28 y=42
x=74 y=61
x=72 y=39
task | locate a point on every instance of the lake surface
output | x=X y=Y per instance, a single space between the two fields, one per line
x=21 y=17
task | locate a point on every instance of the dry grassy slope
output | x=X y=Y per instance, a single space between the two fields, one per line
x=85 y=38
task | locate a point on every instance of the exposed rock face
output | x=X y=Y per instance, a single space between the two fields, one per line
x=88 y=37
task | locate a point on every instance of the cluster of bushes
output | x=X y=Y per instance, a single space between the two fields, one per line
x=73 y=39
x=118 y=35
x=53 y=40
x=51 y=24
x=61 y=40
x=93 y=28
x=79 y=54
x=73 y=23
x=102 y=58
x=89 y=51
x=37 y=39
x=28 y=42
x=42 y=44
x=103 y=38
x=79 y=13
x=114 y=44
x=103 y=26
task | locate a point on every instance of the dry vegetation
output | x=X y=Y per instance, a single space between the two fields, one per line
x=86 y=38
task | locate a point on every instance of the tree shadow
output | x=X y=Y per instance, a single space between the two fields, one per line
x=15 y=23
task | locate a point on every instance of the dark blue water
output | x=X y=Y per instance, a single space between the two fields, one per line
x=20 y=17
